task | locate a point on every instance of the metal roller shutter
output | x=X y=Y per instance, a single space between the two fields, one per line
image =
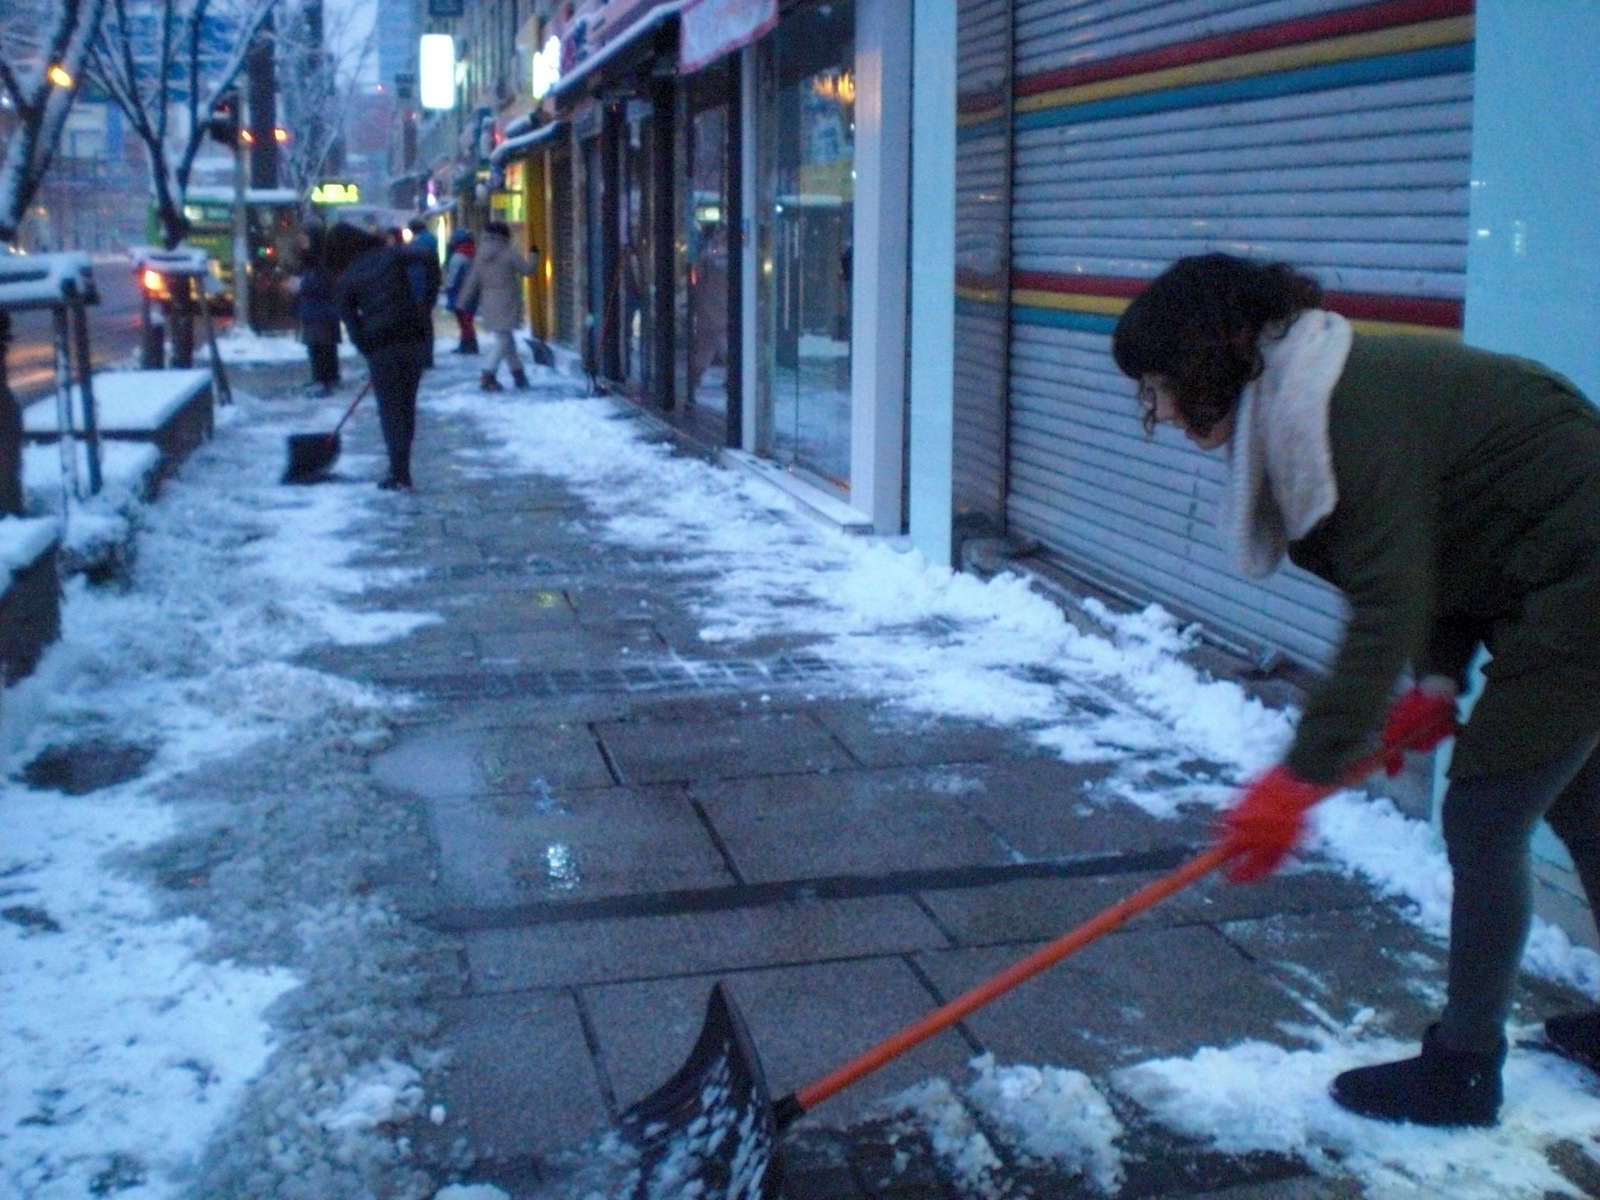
x=1335 y=136
x=983 y=169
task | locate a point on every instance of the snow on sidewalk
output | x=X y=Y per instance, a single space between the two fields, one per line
x=265 y=1045
x=955 y=646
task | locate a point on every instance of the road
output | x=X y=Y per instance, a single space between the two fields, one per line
x=113 y=333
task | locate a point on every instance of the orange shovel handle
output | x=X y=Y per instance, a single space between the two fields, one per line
x=1067 y=944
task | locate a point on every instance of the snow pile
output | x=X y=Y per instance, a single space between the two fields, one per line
x=1046 y=1115
x=22 y=541
x=1051 y=1115
x=199 y=946
x=247 y=347
x=1256 y=1096
x=126 y=1045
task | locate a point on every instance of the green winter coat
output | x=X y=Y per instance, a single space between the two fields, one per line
x=1468 y=511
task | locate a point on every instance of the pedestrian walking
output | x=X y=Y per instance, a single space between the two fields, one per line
x=422 y=257
x=1453 y=496
x=318 y=311
x=493 y=289
x=462 y=249
x=390 y=328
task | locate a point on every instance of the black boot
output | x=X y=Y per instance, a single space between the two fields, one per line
x=1440 y=1087
x=467 y=346
x=489 y=383
x=520 y=379
x=1577 y=1036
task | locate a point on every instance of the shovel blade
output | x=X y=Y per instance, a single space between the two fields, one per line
x=310 y=456
x=712 y=1123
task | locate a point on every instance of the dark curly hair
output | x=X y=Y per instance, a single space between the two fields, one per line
x=1199 y=325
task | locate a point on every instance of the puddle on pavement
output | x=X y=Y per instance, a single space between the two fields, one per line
x=83 y=767
x=561 y=867
x=487 y=854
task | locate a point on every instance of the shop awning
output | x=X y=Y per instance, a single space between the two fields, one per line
x=513 y=146
x=651 y=21
x=714 y=28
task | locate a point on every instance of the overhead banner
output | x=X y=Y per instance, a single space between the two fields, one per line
x=708 y=29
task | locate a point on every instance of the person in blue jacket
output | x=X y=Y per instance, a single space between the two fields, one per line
x=318 y=312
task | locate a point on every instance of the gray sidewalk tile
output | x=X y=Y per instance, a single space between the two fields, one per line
x=1131 y=996
x=588 y=952
x=883 y=735
x=458 y=760
x=1043 y=809
x=804 y=1020
x=579 y=647
x=1344 y=962
x=521 y=1080
x=1037 y=908
x=576 y=845
x=844 y=822
x=721 y=748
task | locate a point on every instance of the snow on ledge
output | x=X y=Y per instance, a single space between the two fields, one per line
x=41 y=280
x=126 y=401
x=23 y=541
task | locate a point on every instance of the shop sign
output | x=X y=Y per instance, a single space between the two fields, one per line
x=546 y=67
x=708 y=29
x=597 y=24
x=336 y=193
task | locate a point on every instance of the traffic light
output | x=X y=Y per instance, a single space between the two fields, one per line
x=224 y=122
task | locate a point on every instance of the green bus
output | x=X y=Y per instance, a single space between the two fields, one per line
x=274 y=245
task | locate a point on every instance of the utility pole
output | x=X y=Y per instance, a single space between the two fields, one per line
x=241 y=240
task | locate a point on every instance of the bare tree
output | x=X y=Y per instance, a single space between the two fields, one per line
x=43 y=45
x=164 y=64
x=321 y=62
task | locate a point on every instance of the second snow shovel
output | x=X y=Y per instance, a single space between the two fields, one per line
x=312 y=454
x=712 y=1130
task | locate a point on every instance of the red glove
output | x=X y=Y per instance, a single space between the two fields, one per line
x=1418 y=720
x=1267 y=823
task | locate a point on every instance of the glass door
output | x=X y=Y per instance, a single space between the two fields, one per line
x=707 y=253
x=633 y=270
x=807 y=177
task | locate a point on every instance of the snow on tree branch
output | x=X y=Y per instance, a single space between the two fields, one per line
x=36 y=36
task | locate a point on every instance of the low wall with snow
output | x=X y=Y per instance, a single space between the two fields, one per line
x=30 y=593
x=173 y=410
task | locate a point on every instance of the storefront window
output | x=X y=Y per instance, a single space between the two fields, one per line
x=806 y=176
x=706 y=243
x=632 y=280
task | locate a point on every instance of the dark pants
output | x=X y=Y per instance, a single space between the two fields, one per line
x=396 y=374
x=1489 y=821
x=324 y=363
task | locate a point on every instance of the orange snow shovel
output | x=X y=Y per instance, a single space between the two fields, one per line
x=714 y=1124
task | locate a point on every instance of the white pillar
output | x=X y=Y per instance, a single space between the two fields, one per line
x=933 y=276
x=749 y=331
x=878 y=316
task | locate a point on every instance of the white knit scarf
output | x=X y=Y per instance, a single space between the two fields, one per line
x=1280 y=461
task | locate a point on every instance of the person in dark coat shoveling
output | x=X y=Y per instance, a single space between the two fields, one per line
x=1453 y=496
x=391 y=329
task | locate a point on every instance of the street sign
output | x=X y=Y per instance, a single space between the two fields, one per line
x=446 y=8
x=336 y=193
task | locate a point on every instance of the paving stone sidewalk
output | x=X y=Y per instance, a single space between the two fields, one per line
x=622 y=815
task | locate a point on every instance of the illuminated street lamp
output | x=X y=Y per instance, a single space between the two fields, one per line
x=60 y=76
